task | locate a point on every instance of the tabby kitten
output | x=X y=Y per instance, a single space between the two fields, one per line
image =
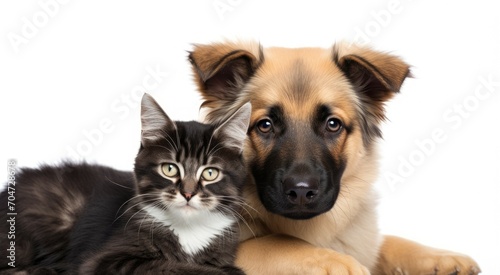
x=176 y=214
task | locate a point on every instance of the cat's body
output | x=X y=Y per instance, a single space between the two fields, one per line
x=51 y=202
x=176 y=214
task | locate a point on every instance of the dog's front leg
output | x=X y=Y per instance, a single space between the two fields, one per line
x=284 y=255
x=401 y=256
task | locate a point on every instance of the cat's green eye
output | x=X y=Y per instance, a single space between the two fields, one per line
x=210 y=174
x=170 y=170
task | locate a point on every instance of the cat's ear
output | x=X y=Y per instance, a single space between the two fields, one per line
x=233 y=131
x=154 y=121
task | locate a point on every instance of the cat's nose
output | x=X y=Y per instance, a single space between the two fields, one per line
x=187 y=195
x=188 y=188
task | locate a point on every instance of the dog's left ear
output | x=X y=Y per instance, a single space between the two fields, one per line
x=376 y=77
x=221 y=70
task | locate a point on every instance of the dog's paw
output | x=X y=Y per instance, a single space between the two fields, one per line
x=329 y=262
x=453 y=263
x=399 y=256
x=442 y=263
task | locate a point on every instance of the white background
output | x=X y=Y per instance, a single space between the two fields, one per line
x=78 y=63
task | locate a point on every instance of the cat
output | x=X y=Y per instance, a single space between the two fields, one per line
x=177 y=213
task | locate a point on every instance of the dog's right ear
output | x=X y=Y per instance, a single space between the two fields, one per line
x=222 y=69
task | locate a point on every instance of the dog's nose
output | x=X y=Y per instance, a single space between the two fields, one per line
x=300 y=191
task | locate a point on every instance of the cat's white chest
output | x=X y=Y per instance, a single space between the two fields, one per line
x=196 y=231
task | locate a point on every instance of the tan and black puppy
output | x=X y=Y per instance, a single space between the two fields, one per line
x=311 y=149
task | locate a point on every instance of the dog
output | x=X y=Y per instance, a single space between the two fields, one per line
x=311 y=152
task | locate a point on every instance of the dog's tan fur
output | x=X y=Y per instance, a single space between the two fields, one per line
x=344 y=240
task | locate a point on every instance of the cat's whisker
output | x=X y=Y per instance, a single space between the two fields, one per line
x=209 y=143
x=209 y=153
x=154 y=204
x=216 y=148
x=163 y=147
x=133 y=198
x=116 y=183
x=217 y=158
x=141 y=209
x=244 y=208
x=237 y=216
x=140 y=224
x=133 y=206
x=164 y=208
x=152 y=225
x=231 y=209
x=151 y=229
x=240 y=202
x=170 y=140
x=132 y=216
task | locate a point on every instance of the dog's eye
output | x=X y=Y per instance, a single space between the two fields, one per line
x=333 y=125
x=265 y=125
